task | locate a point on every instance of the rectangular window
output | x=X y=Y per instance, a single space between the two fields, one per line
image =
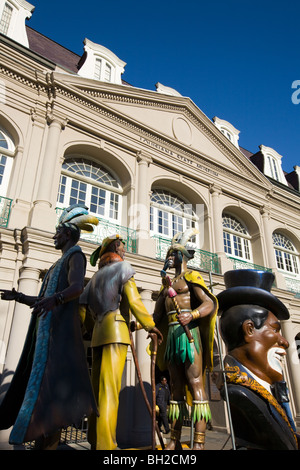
x=163 y=223
x=246 y=248
x=151 y=218
x=107 y=74
x=78 y=192
x=97 y=205
x=114 y=206
x=227 y=243
x=5 y=19
x=279 y=259
x=273 y=168
x=62 y=189
x=295 y=263
x=97 y=72
x=2 y=167
x=237 y=246
x=177 y=223
x=288 y=262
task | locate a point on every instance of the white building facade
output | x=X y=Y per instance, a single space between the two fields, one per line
x=148 y=164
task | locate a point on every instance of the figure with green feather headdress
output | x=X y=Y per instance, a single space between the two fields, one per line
x=185 y=312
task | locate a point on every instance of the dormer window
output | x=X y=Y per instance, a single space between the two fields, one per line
x=273 y=167
x=98 y=66
x=227 y=134
x=13 y=14
x=228 y=130
x=101 y=64
x=5 y=18
x=107 y=75
x=103 y=71
x=272 y=164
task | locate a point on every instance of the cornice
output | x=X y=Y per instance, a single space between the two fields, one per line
x=186 y=107
x=151 y=99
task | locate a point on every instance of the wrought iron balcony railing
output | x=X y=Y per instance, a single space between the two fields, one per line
x=5 y=208
x=243 y=264
x=293 y=285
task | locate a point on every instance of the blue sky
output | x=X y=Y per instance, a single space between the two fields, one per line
x=235 y=59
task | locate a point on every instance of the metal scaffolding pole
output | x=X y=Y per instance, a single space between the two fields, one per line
x=223 y=370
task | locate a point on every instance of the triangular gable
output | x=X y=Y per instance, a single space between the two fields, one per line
x=176 y=121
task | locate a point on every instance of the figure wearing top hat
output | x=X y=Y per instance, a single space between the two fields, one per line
x=250 y=327
x=109 y=296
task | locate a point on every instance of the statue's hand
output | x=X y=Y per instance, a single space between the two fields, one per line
x=156 y=332
x=9 y=294
x=185 y=318
x=43 y=306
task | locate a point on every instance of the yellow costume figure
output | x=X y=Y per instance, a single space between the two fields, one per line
x=110 y=295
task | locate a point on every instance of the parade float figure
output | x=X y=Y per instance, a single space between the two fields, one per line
x=109 y=296
x=185 y=312
x=257 y=393
x=51 y=387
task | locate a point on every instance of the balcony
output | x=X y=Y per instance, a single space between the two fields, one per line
x=293 y=285
x=243 y=264
x=5 y=208
x=105 y=229
x=203 y=260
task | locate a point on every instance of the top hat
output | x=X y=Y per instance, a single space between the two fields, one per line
x=101 y=249
x=249 y=286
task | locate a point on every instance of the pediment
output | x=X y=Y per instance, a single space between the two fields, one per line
x=175 y=122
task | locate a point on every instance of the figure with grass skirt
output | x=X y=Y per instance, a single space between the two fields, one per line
x=185 y=312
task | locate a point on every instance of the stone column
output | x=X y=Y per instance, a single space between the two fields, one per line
x=217 y=219
x=141 y=212
x=142 y=420
x=270 y=261
x=43 y=214
x=29 y=285
x=27 y=161
x=217 y=228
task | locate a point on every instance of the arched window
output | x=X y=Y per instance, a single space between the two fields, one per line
x=169 y=214
x=7 y=148
x=287 y=258
x=236 y=238
x=86 y=182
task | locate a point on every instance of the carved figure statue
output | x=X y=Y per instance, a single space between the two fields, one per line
x=185 y=312
x=258 y=396
x=51 y=387
x=108 y=297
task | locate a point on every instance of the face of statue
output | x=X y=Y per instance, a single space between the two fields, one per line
x=61 y=238
x=120 y=248
x=265 y=349
x=174 y=259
